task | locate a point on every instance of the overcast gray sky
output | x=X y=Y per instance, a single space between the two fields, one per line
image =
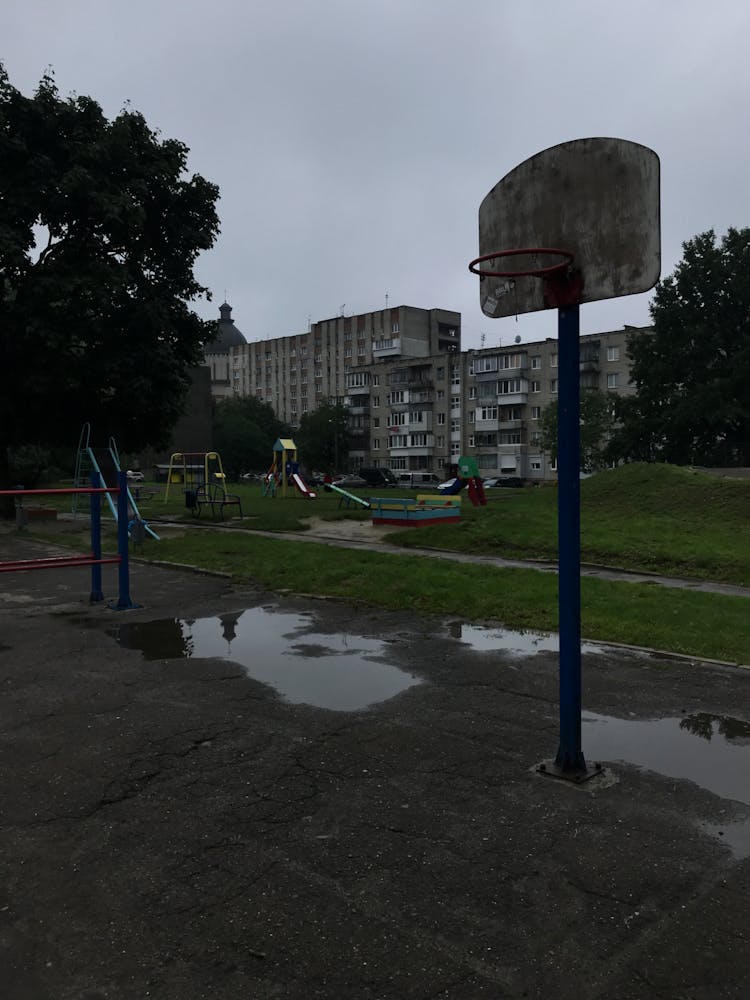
x=353 y=140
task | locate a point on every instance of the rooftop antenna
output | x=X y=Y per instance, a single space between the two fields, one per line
x=482 y=340
x=342 y=309
x=386 y=300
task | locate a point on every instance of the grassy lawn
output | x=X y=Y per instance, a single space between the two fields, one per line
x=657 y=518
x=653 y=518
x=706 y=625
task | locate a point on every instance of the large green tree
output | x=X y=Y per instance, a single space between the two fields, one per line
x=692 y=373
x=100 y=228
x=323 y=438
x=245 y=431
x=598 y=418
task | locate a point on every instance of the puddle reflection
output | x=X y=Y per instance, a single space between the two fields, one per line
x=519 y=643
x=343 y=672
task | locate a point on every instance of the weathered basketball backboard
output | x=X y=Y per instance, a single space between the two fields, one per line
x=596 y=200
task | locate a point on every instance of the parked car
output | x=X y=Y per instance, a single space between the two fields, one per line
x=378 y=477
x=417 y=480
x=134 y=477
x=506 y=481
x=350 y=482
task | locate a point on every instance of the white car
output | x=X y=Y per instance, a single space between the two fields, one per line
x=134 y=477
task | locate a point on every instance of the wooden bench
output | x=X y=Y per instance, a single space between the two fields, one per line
x=212 y=495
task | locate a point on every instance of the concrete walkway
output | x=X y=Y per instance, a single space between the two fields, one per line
x=172 y=828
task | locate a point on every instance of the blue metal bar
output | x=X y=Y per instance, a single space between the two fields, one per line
x=123 y=598
x=569 y=753
x=97 y=594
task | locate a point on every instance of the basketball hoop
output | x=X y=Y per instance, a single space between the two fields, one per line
x=532 y=272
x=563 y=283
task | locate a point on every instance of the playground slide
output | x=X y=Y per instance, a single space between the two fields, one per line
x=302 y=486
x=350 y=496
x=452 y=487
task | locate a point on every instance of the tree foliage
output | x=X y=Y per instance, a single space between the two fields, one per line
x=99 y=234
x=323 y=438
x=692 y=374
x=245 y=431
x=599 y=412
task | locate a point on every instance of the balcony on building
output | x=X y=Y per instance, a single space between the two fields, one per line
x=588 y=358
x=513 y=398
x=386 y=348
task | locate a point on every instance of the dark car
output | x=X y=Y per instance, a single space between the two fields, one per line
x=378 y=477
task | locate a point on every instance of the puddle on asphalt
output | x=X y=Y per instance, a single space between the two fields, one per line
x=710 y=750
x=518 y=643
x=342 y=672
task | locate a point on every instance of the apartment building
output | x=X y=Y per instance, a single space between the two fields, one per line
x=372 y=362
x=507 y=389
x=416 y=402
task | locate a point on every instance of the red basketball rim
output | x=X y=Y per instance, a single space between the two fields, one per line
x=538 y=272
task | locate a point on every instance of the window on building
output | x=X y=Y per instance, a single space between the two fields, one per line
x=536 y=412
x=488 y=413
x=486 y=364
x=471 y=440
x=612 y=380
x=536 y=386
x=613 y=354
x=472 y=415
x=440 y=441
x=419 y=440
x=553 y=385
x=376 y=400
x=553 y=360
x=376 y=380
x=536 y=363
x=394 y=327
x=455 y=404
x=472 y=392
x=376 y=443
x=455 y=426
x=440 y=395
x=535 y=465
x=441 y=373
x=441 y=419
x=510 y=386
x=455 y=449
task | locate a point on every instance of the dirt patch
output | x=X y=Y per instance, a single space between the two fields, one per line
x=349 y=530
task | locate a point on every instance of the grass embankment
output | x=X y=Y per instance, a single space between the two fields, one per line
x=652 y=518
x=643 y=517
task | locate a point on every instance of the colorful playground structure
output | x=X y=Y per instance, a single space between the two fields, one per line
x=284 y=471
x=105 y=462
x=416 y=512
x=466 y=474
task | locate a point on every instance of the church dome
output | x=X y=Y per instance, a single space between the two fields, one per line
x=228 y=335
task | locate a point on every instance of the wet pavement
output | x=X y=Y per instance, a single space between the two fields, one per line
x=229 y=794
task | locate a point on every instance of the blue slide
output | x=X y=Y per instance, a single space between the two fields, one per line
x=452 y=487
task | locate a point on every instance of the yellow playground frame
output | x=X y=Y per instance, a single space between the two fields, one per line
x=184 y=472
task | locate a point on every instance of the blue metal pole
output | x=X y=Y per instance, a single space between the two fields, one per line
x=569 y=753
x=123 y=598
x=97 y=594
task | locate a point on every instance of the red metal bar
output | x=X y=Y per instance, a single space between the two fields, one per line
x=53 y=562
x=31 y=493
